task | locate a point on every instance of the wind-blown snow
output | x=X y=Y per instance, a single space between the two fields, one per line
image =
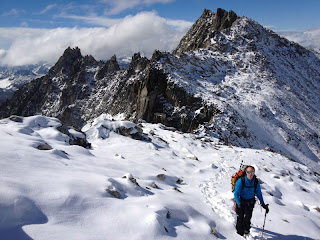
x=61 y=193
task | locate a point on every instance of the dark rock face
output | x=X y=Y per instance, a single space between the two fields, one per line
x=160 y=102
x=79 y=88
x=109 y=67
x=223 y=19
x=202 y=30
x=56 y=93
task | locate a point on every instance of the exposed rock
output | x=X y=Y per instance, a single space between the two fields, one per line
x=113 y=193
x=110 y=66
x=16 y=119
x=179 y=181
x=154 y=185
x=161 y=176
x=201 y=32
x=44 y=146
x=214 y=231
x=133 y=180
x=176 y=189
x=138 y=63
x=79 y=94
x=75 y=139
x=67 y=63
x=135 y=133
x=223 y=19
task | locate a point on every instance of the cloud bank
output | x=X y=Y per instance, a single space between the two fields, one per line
x=309 y=39
x=144 y=32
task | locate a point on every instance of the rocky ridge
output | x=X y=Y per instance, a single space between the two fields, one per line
x=229 y=77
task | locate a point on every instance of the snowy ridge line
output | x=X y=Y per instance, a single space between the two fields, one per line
x=176 y=185
x=257 y=75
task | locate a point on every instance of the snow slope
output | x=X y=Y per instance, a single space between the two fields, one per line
x=174 y=186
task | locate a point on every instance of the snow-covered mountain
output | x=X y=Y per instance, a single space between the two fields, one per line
x=169 y=185
x=11 y=78
x=229 y=78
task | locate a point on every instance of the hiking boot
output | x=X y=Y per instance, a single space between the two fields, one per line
x=246 y=231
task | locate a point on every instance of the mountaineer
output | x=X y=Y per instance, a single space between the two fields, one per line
x=245 y=190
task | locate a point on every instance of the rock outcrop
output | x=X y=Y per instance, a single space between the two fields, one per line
x=204 y=28
x=78 y=88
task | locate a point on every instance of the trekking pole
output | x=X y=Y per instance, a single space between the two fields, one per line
x=264 y=222
x=241 y=164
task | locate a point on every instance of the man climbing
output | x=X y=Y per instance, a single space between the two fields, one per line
x=244 y=193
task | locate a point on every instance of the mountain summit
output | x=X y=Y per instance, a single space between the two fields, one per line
x=229 y=77
x=204 y=28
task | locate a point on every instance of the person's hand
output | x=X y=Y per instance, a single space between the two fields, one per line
x=266 y=207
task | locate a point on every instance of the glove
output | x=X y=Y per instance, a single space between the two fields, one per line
x=266 y=207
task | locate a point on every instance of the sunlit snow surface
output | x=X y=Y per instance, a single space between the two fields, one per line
x=61 y=193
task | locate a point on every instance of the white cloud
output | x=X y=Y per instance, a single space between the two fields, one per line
x=117 y=6
x=94 y=20
x=143 y=32
x=48 y=8
x=12 y=12
x=309 y=38
x=2 y=53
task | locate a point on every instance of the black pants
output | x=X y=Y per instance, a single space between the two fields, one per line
x=244 y=214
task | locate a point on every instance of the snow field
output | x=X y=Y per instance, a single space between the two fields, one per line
x=176 y=186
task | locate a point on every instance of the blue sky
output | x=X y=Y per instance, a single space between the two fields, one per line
x=276 y=14
x=39 y=30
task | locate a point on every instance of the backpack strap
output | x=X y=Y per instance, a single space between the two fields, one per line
x=255 y=183
x=243 y=182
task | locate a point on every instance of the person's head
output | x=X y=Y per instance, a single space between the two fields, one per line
x=250 y=172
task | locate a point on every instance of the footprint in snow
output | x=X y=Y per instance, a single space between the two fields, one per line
x=220 y=201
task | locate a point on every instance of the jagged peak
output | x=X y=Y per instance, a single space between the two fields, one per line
x=109 y=67
x=138 y=62
x=207 y=13
x=223 y=19
x=69 y=56
x=199 y=34
x=72 y=52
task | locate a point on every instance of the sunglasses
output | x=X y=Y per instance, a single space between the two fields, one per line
x=250 y=172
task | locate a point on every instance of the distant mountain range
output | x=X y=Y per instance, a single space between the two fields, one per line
x=229 y=77
x=11 y=78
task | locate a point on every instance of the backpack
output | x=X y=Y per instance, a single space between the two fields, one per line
x=236 y=176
